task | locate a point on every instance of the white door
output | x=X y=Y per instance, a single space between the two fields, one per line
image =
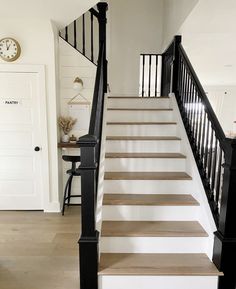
x=21 y=186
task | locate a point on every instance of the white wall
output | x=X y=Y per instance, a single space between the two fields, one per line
x=62 y=12
x=135 y=27
x=174 y=15
x=223 y=101
x=209 y=38
x=72 y=64
x=37 y=41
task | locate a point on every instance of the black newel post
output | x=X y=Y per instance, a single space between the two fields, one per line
x=102 y=8
x=225 y=238
x=88 y=242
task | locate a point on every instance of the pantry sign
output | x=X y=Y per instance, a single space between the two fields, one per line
x=11 y=102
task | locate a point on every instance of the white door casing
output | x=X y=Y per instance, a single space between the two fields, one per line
x=24 y=181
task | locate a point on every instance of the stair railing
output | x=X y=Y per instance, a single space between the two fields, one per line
x=215 y=154
x=90 y=147
x=82 y=34
x=150 y=67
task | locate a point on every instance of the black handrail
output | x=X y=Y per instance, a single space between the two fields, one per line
x=215 y=154
x=90 y=146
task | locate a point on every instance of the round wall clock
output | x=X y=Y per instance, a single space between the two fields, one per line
x=9 y=49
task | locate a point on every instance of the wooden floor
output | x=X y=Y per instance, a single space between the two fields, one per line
x=39 y=250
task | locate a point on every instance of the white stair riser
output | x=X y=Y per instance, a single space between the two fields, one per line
x=141 y=130
x=138 y=103
x=149 y=213
x=143 y=146
x=119 y=115
x=145 y=165
x=148 y=187
x=153 y=244
x=158 y=282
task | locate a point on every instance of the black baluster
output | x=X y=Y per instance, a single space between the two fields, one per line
x=143 y=75
x=66 y=34
x=186 y=95
x=210 y=154
x=203 y=136
x=149 y=76
x=200 y=128
x=156 y=76
x=206 y=146
x=83 y=33
x=218 y=179
x=92 y=52
x=75 y=35
x=214 y=167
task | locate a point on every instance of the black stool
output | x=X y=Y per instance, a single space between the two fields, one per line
x=72 y=172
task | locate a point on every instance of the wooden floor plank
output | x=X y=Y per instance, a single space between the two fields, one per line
x=157 y=264
x=147 y=176
x=152 y=229
x=39 y=250
x=149 y=200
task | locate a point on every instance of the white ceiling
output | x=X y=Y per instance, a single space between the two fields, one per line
x=62 y=12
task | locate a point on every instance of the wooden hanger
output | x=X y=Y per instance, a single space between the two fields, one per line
x=73 y=102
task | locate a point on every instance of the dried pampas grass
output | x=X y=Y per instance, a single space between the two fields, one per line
x=66 y=123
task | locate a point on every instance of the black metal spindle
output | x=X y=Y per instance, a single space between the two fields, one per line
x=210 y=154
x=200 y=128
x=75 y=34
x=203 y=136
x=143 y=75
x=149 y=76
x=83 y=34
x=186 y=95
x=156 y=76
x=66 y=33
x=218 y=180
x=214 y=167
x=92 y=48
x=197 y=119
x=206 y=145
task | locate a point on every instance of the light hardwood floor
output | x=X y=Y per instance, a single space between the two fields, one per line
x=39 y=250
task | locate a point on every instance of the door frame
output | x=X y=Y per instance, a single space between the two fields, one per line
x=40 y=71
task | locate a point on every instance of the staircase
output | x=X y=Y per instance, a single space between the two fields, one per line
x=152 y=232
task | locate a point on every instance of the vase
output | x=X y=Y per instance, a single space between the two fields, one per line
x=65 y=138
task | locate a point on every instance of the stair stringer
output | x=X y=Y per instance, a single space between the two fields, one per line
x=205 y=216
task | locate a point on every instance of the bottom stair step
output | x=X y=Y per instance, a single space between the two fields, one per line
x=157 y=265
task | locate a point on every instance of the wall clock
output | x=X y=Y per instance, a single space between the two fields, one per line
x=9 y=49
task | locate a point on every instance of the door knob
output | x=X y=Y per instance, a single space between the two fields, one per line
x=37 y=149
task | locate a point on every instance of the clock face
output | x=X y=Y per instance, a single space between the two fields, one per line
x=9 y=49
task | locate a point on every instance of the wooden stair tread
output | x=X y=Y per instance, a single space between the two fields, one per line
x=138 y=97
x=146 y=155
x=141 y=109
x=147 y=176
x=141 y=123
x=157 y=265
x=152 y=229
x=143 y=138
x=149 y=200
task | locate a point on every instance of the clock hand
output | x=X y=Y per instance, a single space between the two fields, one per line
x=8 y=46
